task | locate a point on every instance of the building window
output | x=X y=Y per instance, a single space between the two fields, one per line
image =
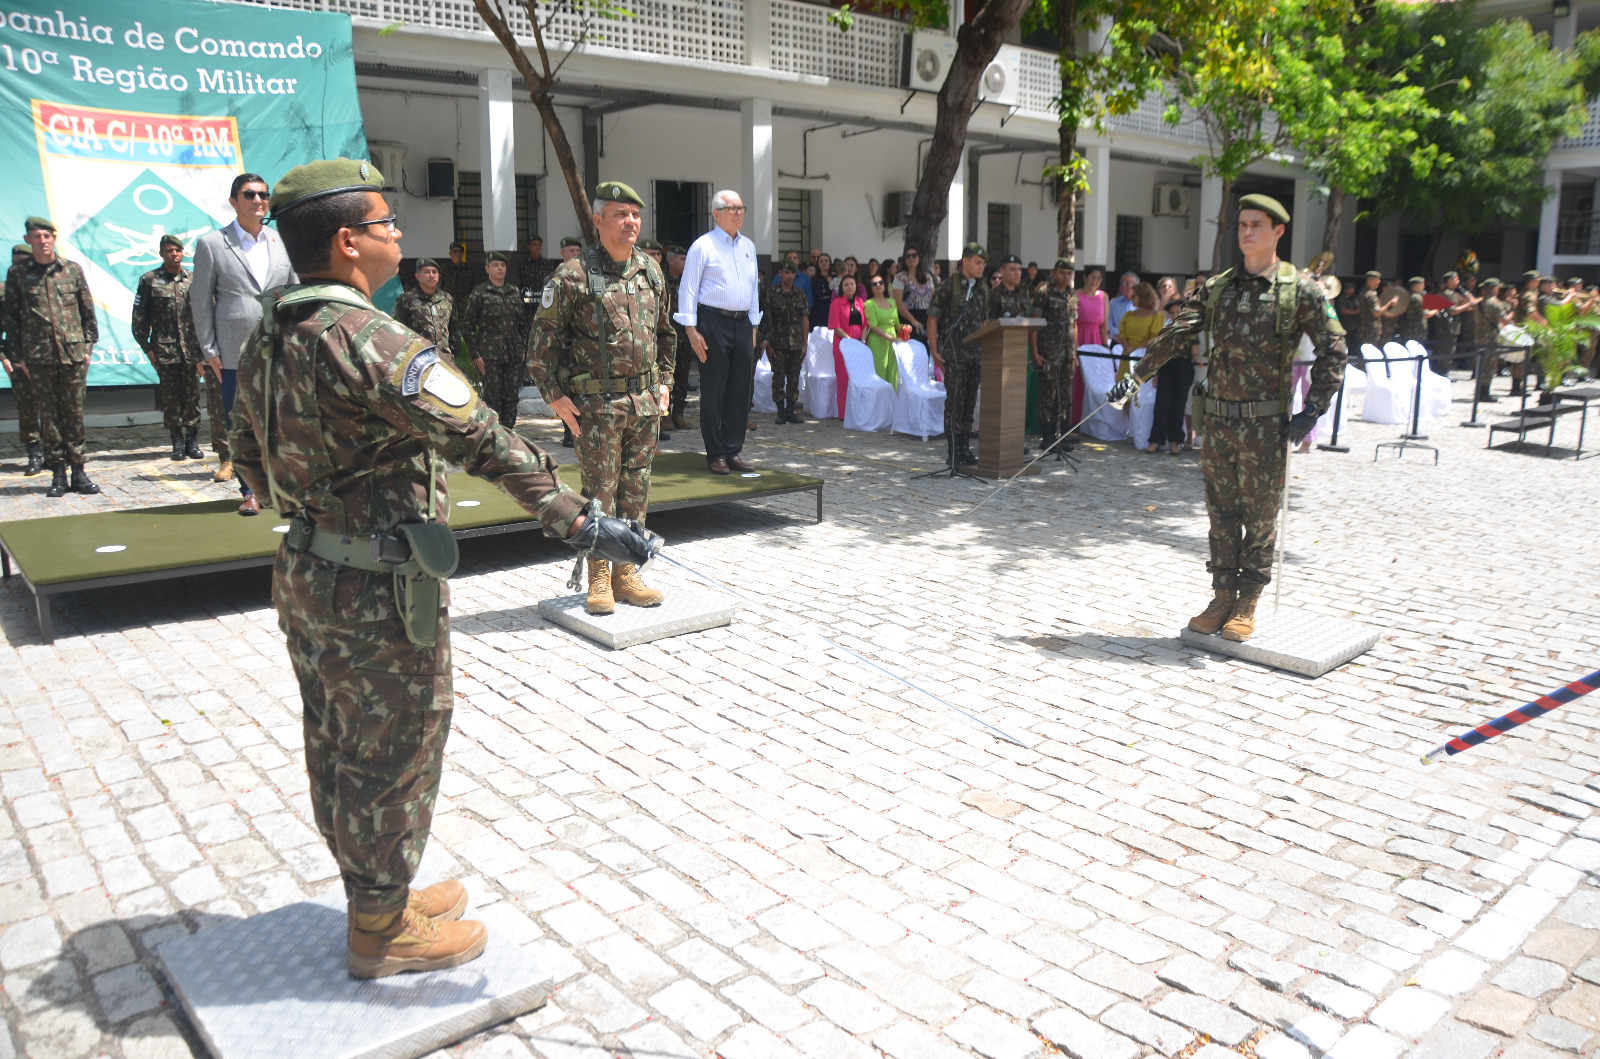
x=1000 y=231
x=469 y=209
x=682 y=211
x=1491 y=250
x=1414 y=248
x=1366 y=258
x=1130 y=243
x=797 y=210
x=527 y=208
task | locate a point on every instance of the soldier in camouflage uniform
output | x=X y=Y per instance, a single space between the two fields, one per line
x=457 y=279
x=1524 y=308
x=22 y=387
x=676 y=255
x=785 y=322
x=429 y=310
x=1256 y=315
x=604 y=365
x=1490 y=316
x=1413 y=326
x=1370 y=322
x=532 y=272
x=496 y=331
x=1056 y=354
x=958 y=309
x=163 y=325
x=1447 y=329
x=344 y=421
x=50 y=326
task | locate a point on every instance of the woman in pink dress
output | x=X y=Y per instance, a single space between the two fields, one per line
x=1092 y=306
x=848 y=318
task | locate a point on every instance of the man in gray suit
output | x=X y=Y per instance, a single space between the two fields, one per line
x=232 y=266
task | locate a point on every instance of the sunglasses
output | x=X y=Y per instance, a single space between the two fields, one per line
x=259 y=195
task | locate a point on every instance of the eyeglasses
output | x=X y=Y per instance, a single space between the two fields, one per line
x=387 y=222
x=729 y=209
x=259 y=195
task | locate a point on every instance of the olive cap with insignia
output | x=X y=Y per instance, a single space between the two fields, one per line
x=1011 y=259
x=975 y=250
x=1452 y=274
x=1532 y=273
x=617 y=191
x=649 y=244
x=458 y=245
x=1492 y=281
x=317 y=180
x=496 y=255
x=171 y=240
x=426 y=262
x=572 y=240
x=1064 y=262
x=1414 y=280
x=20 y=248
x=674 y=248
x=787 y=266
x=1373 y=273
x=1266 y=204
x=37 y=222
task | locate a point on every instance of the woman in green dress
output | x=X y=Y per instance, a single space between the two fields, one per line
x=883 y=327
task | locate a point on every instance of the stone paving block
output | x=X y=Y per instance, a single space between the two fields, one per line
x=1278 y=975
x=908 y=1040
x=1001 y=993
x=1494 y=937
x=818 y=1039
x=29 y=942
x=1126 y=942
x=1268 y=1007
x=697 y=1011
x=1580 y=1004
x=754 y=1042
x=1495 y=1009
x=1194 y=975
x=1589 y=971
x=601 y=1004
x=1444 y=899
x=1206 y=1016
x=1070 y=989
x=1277 y=1046
x=1366 y=1042
x=1083 y=1038
x=1553 y=802
x=992 y=1036
x=1166 y=1037
x=1113 y=972
x=1531 y=978
x=1344 y=967
x=763 y=1002
x=1340 y=1000
x=1452 y=1040
x=852 y=1008
x=1451 y=973
x=1558 y=1032
x=1409 y=1012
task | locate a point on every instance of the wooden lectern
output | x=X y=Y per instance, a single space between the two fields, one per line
x=1003 y=406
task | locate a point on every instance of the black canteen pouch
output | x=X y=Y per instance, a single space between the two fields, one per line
x=417 y=594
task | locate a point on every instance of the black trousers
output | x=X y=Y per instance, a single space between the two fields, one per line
x=1174 y=380
x=725 y=380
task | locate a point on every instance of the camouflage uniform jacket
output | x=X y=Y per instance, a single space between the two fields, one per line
x=494 y=325
x=960 y=307
x=1017 y=302
x=1247 y=361
x=564 y=347
x=785 y=319
x=1060 y=309
x=532 y=274
x=1414 y=323
x=458 y=281
x=358 y=405
x=1491 y=312
x=49 y=313
x=430 y=315
x=1447 y=324
x=1526 y=305
x=161 y=321
x=1367 y=325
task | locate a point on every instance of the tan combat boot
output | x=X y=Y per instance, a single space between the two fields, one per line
x=630 y=587
x=443 y=901
x=1242 y=622
x=224 y=473
x=600 y=599
x=410 y=942
x=1208 y=621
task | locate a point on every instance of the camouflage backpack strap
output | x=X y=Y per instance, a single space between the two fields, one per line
x=1287 y=289
x=597 y=291
x=1214 y=298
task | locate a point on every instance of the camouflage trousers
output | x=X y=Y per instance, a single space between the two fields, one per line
x=680 y=374
x=218 y=416
x=180 y=395
x=961 y=393
x=376 y=712
x=1054 y=404
x=614 y=454
x=786 y=364
x=502 y=380
x=27 y=405
x=59 y=390
x=1243 y=463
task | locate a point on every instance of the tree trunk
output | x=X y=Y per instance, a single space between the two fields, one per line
x=978 y=42
x=1222 y=226
x=1334 y=219
x=581 y=203
x=1067 y=134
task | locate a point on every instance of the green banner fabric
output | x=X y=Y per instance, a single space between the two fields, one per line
x=124 y=121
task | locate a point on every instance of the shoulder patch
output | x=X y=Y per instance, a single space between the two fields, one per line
x=414 y=367
x=548 y=298
x=444 y=384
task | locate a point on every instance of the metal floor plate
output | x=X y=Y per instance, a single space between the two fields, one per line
x=274 y=985
x=1296 y=640
x=683 y=610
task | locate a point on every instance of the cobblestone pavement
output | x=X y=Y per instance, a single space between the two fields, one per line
x=735 y=843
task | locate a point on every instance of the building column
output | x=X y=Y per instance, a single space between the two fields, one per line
x=1210 y=207
x=1564 y=31
x=1549 y=218
x=1096 y=237
x=1300 y=224
x=758 y=34
x=757 y=183
x=497 y=160
x=955 y=215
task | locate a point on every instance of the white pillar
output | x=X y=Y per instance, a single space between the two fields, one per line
x=955 y=218
x=1564 y=31
x=756 y=184
x=1096 y=237
x=1210 y=206
x=1300 y=227
x=1549 y=216
x=758 y=34
x=497 y=160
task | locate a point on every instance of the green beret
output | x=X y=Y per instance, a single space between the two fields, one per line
x=1266 y=204
x=1373 y=273
x=1064 y=262
x=1532 y=273
x=459 y=246
x=572 y=240
x=787 y=266
x=172 y=240
x=496 y=255
x=37 y=222
x=974 y=250
x=1415 y=279
x=317 y=180
x=1492 y=281
x=20 y=248
x=426 y=262
x=649 y=244
x=1011 y=259
x=617 y=191
x=1452 y=274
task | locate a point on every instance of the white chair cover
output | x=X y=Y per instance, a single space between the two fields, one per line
x=919 y=403
x=1389 y=387
x=1098 y=373
x=819 y=391
x=869 y=402
x=761 y=399
x=1354 y=380
x=1141 y=411
x=1435 y=387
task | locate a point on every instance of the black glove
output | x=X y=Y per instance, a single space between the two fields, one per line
x=1199 y=388
x=1121 y=390
x=1300 y=425
x=617 y=540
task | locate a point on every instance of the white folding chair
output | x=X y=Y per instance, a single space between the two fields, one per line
x=919 y=403
x=1435 y=387
x=869 y=400
x=1388 y=390
x=1098 y=374
x=818 y=381
x=1141 y=411
x=761 y=398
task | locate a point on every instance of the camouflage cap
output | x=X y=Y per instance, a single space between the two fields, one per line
x=37 y=222
x=648 y=244
x=171 y=240
x=974 y=250
x=617 y=191
x=1414 y=280
x=1575 y=281
x=20 y=248
x=1532 y=273
x=1266 y=204
x=1492 y=281
x=496 y=255
x=1546 y=279
x=571 y=240
x=1011 y=259
x=426 y=262
x=1064 y=262
x=317 y=180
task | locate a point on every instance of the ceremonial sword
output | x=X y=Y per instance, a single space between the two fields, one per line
x=1071 y=430
x=1537 y=708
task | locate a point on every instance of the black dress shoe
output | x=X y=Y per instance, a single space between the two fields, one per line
x=663 y=436
x=718 y=466
x=735 y=463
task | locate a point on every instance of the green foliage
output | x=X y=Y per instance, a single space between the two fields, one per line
x=1555 y=344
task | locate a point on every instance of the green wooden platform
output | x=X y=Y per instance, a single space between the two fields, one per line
x=73 y=553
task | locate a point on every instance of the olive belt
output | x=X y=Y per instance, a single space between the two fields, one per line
x=1244 y=409
x=378 y=553
x=615 y=385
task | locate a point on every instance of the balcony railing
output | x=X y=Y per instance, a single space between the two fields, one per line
x=1589 y=135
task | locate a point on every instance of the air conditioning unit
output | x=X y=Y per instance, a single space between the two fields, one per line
x=897 y=208
x=1172 y=200
x=1002 y=79
x=925 y=58
x=390 y=161
x=441 y=178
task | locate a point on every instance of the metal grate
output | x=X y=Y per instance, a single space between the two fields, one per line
x=794 y=219
x=1039 y=82
x=804 y=43
x=1589 y=135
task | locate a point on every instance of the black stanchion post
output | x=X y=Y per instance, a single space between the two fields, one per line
x=1332 y=445
x=1416 y=404
x=1477 y=388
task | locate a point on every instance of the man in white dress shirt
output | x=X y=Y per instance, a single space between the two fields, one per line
x=719 y=306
